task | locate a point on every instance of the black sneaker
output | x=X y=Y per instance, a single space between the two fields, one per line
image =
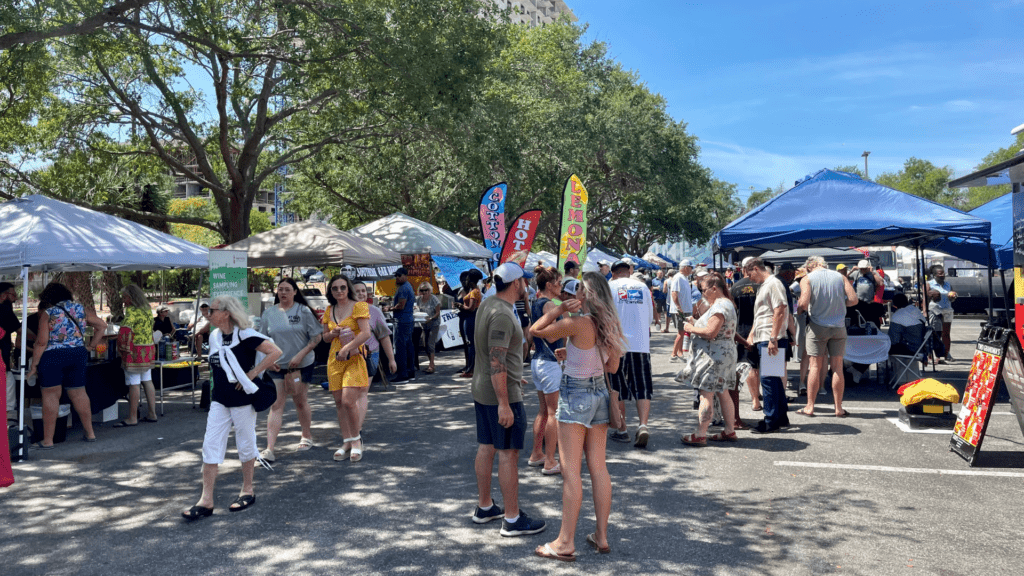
x=482 y=516
x=619 y=436
x=524 y=526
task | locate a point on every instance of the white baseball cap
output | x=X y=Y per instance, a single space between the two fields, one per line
x=684 y=263
x=570 y=286
x=864 y=264
x=510 y=272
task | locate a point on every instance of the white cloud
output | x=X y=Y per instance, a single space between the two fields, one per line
x=960 y=105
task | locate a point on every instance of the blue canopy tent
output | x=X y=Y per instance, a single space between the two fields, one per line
x=1000 y=213
x=671 y=262
x=641 y=263
x=837 y=209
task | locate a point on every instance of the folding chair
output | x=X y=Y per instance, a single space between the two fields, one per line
x=907 y=362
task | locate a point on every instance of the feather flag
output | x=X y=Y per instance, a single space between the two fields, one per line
x=492 y=218
x=520 y=238
x=572 y=240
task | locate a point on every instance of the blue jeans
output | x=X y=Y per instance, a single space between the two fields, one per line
x=468 y=326
x=775 y=404
x=404 y=351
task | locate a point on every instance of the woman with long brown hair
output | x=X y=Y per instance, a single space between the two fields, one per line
x=347 y=327
x=594 y=346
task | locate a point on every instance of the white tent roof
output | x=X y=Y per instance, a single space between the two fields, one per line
x=594 y=256
x=407 y=235
x=313 y=244
x=46 y=234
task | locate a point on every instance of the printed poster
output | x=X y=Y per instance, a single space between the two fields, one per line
x=229 y=275
x=977 y=401
x=572 y=240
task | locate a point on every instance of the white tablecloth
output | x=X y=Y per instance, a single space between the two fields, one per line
x=867 y=349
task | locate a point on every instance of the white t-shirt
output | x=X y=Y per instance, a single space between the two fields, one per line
x=633 y=300
x=771 y=295
x=681 y=285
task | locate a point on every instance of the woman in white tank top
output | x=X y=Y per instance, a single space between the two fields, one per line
x=594 y=345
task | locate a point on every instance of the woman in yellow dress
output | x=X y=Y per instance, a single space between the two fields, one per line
x=347 y=327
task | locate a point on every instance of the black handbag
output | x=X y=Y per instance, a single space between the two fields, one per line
x=266 y=394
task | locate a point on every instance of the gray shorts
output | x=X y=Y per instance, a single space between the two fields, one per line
x=583 y=401
x=822 y=339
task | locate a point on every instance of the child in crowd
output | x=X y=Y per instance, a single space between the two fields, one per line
x=935 y=322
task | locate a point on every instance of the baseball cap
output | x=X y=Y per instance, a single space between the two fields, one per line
x=570 y=285
x=509 y=272
x=401 y=272
x=841 y=267
x=864 y=264
x=685 y=262
x=702 y=273
x=746 y=261
x=619 y=264
x=163 y=308
x=786 y=266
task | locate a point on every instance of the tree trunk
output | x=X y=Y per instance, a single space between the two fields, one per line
x=111 y=286
x=80 y=285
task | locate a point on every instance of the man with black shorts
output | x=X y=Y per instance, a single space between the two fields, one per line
x=633 y=380
x=498 y=398
x=744 y=293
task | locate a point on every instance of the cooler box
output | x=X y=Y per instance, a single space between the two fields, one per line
x=928 y=413
x=60 y=432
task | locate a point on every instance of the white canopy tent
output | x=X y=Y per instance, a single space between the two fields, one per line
x=40 y=234
x=407 y=235
x=314 y=244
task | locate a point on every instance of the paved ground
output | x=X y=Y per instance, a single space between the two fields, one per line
x=756 y=507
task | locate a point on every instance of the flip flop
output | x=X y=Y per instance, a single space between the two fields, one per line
x=125 y=424
x=843 y=415
x=802 y=413
x=552 y=471
x=545 y=551
x=150 y=420
x=87 y=439
x=593 y=544
x=243 y=502
x=41 y=446
x=429 y=370
x=197 y=512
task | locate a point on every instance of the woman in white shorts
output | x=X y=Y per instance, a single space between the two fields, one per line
x=137 y=351
x=547 y=374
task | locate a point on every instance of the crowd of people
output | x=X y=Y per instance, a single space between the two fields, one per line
x=590 y=339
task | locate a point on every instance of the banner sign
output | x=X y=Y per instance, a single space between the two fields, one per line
x=976 y=406
x=572 y=240
x=420 y=269
x=229 y=274
x=492 y=218
x=520 y=237
x=449 y=329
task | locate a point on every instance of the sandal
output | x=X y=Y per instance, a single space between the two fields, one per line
x=556 y=470
x=150 y=420
x=357 y=453
x=803 y=412
x=41 y=446
x=741 y=426
x=242 y=502
x=546 y=551
x=694 y=440
x=723 y=437
x=592 y=540
x=197 y=512
x=124 y=424
x=304 y=444
x=429 y=370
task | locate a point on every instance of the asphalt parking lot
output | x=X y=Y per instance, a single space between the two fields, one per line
x=827 y=496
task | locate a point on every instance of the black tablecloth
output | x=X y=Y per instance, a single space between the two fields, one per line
x=104 y=384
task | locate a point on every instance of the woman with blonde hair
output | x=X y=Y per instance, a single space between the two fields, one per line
x=431 y=306
x=595 y=344
x=138 y=353
x=233 y=367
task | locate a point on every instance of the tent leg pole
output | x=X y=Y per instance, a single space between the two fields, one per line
x=1006 y=297
x=22 y=451
x=988 y=245
x=919 y=270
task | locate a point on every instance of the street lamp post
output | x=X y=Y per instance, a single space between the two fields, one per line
x=865 y=155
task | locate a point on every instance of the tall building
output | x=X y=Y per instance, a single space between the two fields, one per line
x=536 y=12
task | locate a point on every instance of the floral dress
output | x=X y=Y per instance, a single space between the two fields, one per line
x=714 y=361
x=349 y=373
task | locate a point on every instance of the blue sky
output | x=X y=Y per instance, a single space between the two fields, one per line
x=778 y=90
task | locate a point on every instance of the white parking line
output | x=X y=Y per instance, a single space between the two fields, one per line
x=904 y=470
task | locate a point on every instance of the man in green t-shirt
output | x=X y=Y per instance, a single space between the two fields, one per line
x=498 y=398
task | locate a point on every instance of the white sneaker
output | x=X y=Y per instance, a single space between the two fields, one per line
x=268 y=455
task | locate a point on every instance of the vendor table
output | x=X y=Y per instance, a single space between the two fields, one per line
x=867 y=349
x=104 y=384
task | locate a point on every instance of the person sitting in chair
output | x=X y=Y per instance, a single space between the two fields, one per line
x=907 y=327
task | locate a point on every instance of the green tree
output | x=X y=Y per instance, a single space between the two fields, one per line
x=852 y=169
x=924 y=179
x=290 y=79
x=757 y=198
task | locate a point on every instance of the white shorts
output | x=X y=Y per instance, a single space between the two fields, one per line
x=138 y=378
x=547 y=375
x=218 y=426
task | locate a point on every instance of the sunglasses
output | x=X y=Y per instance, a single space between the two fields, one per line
x=425 y=290
x=218 y=309
x=339 y=287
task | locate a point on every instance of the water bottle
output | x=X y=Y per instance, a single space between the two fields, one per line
x=160 y=346
x=686 y=342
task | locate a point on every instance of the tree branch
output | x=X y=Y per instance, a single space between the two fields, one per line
x=109 y=15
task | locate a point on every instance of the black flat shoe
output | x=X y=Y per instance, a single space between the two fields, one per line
x=242 y=502
x=197 y=512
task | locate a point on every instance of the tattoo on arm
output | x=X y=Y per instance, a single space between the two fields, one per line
x=497 y=356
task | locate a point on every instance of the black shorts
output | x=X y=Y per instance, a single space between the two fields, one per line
x=659 y=306
x=488 y=431
x=306 y=374
x=750 y=356
x=633 y=380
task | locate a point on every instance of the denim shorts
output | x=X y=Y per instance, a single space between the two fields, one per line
x=306 y=373
x=547 y=375
x=583 y=401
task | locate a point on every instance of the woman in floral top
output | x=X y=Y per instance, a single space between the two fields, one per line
x=137 y=351
x=714 y=360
